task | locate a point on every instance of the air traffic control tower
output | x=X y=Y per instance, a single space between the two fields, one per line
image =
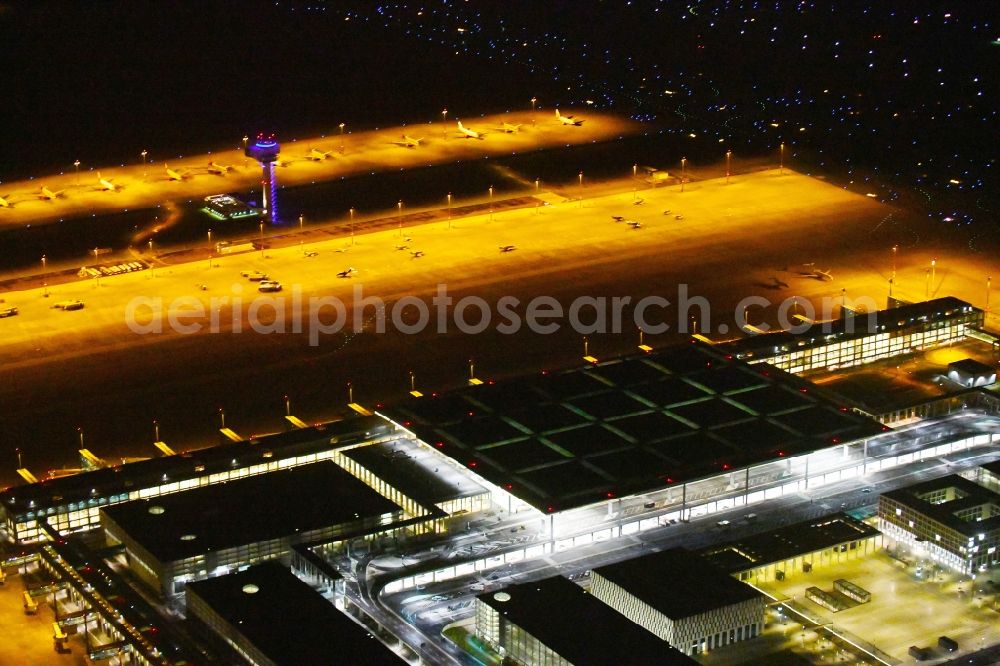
x=265 y=150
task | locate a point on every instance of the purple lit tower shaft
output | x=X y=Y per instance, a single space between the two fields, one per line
x=269 y=191
x=265 y=151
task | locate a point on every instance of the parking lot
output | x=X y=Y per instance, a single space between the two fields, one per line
x=906 y=608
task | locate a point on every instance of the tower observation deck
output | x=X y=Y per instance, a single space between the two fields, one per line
x=265 y=151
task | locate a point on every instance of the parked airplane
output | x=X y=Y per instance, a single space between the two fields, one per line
x=469 y=134
x=4 y=203
x=567 y=120
x=635 y=224
x=617 y=218
x=317 y=155
x=508 y=248
x=823 y=276
x=813 y=272
x=347 y=272
x=219 y=169
x=416 y=254
x=509 y=128
x=174 y=174
x=106 y=183
x=47 y=194
x=408 y=142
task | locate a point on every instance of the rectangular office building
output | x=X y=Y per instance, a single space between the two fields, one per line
x=682 y=599
x=955 y=521
x=555 y=622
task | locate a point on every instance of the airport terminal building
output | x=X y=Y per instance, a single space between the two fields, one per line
x=72 y=504
x=680 y=428
x=642 y=442
x=175 y=539
x=862 y=337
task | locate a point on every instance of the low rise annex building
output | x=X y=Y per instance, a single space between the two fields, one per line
x=795 y=549
x=683 y=599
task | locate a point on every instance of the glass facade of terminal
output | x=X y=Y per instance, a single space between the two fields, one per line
x=842 y=350
x=630 y=515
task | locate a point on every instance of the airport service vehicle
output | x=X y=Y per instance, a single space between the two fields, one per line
x=254 y=276
x=68 y=305
x=269 y=285
x=8 y=312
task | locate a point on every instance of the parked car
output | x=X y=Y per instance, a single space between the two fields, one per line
x=269 y=285
x=254 y=276
x=8 y=312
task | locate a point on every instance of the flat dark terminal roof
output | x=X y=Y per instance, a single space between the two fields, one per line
x=257 y=508
x=631 y=425
x=289 y=621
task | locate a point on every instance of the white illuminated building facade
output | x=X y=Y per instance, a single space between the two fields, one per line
x=951 y=520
